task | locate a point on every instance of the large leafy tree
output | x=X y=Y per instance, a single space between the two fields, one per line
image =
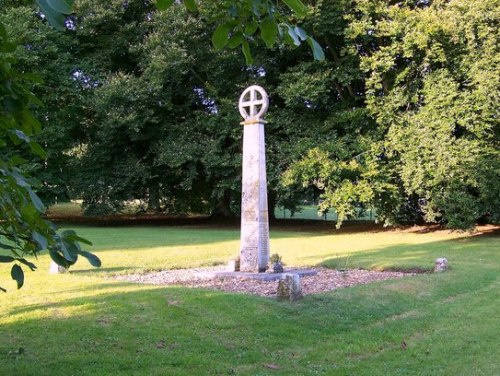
x=53 y=56
x=148 y=135
x=180 y=147
x=432 y=87
x=23 y=231
x=325 y=104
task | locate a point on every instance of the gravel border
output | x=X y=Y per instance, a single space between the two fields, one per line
x=325 y=280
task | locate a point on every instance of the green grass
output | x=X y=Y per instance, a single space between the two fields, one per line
x=86 y=323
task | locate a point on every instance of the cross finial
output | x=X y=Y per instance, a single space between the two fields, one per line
x=253 y=103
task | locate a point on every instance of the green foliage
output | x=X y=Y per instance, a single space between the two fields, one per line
x=55 y=11
x=275 y=258
x=23 y=230
x=241 y=19
x=150 y=123
x=50 y=53
x=242 y=23
x=432 y=88
x=435 y=87
x=164 y=4
x=399 y=116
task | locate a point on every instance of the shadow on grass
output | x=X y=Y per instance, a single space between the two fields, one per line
x=175 y=330
x=141 y=237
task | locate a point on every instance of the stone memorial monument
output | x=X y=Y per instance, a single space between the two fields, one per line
x=289 y=288
x=254 y=249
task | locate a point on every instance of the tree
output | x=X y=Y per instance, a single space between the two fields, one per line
x=52 y=55
x=238 y=23
x=399 y=116
x=99 y=32
x=23 y=230
x=432 y=86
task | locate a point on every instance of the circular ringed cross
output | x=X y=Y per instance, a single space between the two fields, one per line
x=253 y=103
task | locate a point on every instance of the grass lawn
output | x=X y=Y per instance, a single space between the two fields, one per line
x=87 y=323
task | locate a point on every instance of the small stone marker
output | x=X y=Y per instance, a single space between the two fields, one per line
x=289 y=288
x=441 y=264
x=57 y=269
x=254 y=248
x=233 y=265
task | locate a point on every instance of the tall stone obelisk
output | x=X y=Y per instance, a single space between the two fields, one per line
x=254 y=249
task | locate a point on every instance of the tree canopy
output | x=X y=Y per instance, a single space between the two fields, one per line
x=432 y=86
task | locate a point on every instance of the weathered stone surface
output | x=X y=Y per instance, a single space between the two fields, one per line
x=254 y=249
x=441 y=264
x=256 y=276
x=289 y=288
x=233 y=265
x=57 y=269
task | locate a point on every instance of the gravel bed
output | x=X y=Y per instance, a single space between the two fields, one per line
x=325 y=280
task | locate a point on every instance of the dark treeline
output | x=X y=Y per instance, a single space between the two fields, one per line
x=401 y=116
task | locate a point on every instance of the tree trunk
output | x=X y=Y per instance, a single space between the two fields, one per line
x=154 y=198
x=271 y=203
x=222 y=208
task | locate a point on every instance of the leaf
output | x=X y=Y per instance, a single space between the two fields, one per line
x=55 y=18
x=6 y=259
x=235 y=40
x=81 y=240
x=316 y=49
x=93 y=259
x=269 y=31
x=71 y=236
x=21 y=135
x=20 y=180
x=36 y=201
x=5 y=246
x=58 y=259
x=67 y=252
x=40 y=240
x=300 y=32
x=62 y=6
x=191 y=5
x=67 y=233
x=12 y=105
x=29 y=120
x=220 y=36
x=297 y=7
x=27 y=263
x=293 y=35
x=164 y=4
x=33 y=77
x=17 y=275
x=245 y=47
x=37 y=149
x=251 y=28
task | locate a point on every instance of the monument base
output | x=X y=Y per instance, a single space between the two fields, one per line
x=259 y=276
